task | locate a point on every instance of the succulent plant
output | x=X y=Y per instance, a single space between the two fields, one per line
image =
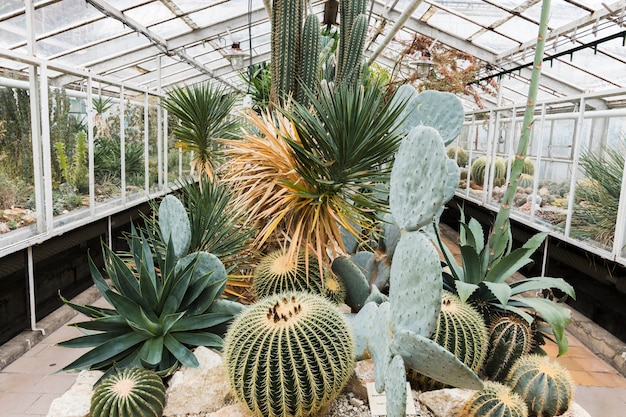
x=525 y=181
x=462 y=331
x=161 y=304
x=289 y=354
x=278 y=272
x=494 y=400
x=458 y=154
x=510 y=337
x=478 y=170
x=129 y=392
x=544 y=384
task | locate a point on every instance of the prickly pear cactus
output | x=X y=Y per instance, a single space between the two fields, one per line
x=544 y=384
x=174 y=224
x=494 y=400
x=289 y=354
x=128 y=393
x=461 y=330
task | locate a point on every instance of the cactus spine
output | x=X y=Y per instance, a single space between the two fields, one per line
x=128 y=393
x=461 y=330
x=510 y=337
x=544 y=384
x=289 y=354
x=309 y=73
x=494 y=400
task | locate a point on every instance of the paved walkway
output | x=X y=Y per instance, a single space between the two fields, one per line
x=30 y=383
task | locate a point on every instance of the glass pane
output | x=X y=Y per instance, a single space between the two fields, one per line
x=134 y=155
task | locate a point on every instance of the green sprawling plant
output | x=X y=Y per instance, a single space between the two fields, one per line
x=595 y=215
x=159 y=309
x=309 y=171
x=73 y=167
x=204 y=114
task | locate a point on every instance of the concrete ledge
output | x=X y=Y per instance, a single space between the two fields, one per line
x=598 y=340
x=26 y=340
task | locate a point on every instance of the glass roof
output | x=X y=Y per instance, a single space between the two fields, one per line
x=122 y=39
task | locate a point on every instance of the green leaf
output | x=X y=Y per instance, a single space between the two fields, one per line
x=512 y=262
x=106 y=350
x=135 y=315
x=152 y=350
x=91 y=340
x=199 y=339
x=105 y=324
x=542 y=283
x=180 y=352
x=455 y=270
x=465 y=290
x=478 y=236
x=500 y=290
x=203 y=321
x=555 y=315
x=472 y=272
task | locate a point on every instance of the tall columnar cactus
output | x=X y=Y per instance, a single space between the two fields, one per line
x=311 y=47
x=278 y=272
x=398 y=336
x=494 y=400
x=510 y=337
x=289 y=354
x=351 y=66
x=129 y=392
x=348 y=12
x=544 y=384
x=286 y=37
x=462 y=331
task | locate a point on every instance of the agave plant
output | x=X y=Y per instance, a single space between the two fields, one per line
x=308 y=172
x=483 y=281
x=204 y=114
x=159 y=311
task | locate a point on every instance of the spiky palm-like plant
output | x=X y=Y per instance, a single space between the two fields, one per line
x=204 y=114
x=259 y=82
x=307 y=172
x=100 y=106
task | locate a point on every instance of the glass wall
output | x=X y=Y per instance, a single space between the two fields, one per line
x=572 y=184
x=75 y=152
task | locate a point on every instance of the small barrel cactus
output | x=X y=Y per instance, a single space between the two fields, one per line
x=278 y=272
x=129 y=392
x=477 y=170
x=544 y=384
x=289 y=354
x=499 y=170
x=525 y=181
x=458 y=154
x=510 y=337
x=494 y=400
x=461 y=330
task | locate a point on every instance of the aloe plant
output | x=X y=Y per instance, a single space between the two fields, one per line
x=162 y=303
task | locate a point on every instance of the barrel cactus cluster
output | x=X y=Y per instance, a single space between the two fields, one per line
x=289 y=354
x=479 y=171
x=510 y=337
x=129 y=392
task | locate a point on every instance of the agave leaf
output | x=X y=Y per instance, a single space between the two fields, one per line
x=88 y=310
x=478 y=236
x=542 y=283
x=472 y=271
x=98 y=280
x=555 y=315
x=135 y=315
x=152 y=350
x=455 y=270
x=180 y=352
x=174 y=298
x=105 y=324
x=106 y=350
x=199 y=339
x=512 y=307
x=124 y=280
x=500 y=290
x=91 y=340
x=203 y=321
x=512 y=262
x=170 y=320
x=465 y=289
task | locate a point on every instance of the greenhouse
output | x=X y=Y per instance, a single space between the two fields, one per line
x=141 y=138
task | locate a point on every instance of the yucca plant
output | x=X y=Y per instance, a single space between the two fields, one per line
x=483 y=282
x=100 y=106
x=308 y=172
x=203 y=111
x=159 y=310
x=259 y=82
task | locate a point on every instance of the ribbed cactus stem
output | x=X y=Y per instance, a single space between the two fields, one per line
x=494 y=400
x=286 y=35
x=510 y=337
x=544 y=384
x=348 y=11
x=128 y=393
x=289 y=355
x=309 y=71
x=353 y=58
